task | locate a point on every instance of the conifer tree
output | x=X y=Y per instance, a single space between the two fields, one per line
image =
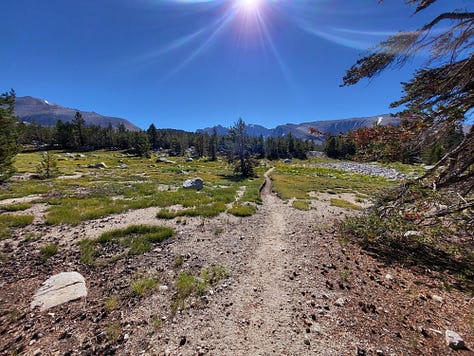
x=9 y=146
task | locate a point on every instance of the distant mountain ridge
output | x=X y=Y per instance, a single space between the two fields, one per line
x=301 y=131
x=42 y=112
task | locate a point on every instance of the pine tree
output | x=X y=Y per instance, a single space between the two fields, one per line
x=213 y=145
x=78 y=125
x=153 y=136
x=441 y=93
x=9 y=146
x=241 y=151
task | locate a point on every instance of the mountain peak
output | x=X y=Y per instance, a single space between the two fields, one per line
x=43 y=112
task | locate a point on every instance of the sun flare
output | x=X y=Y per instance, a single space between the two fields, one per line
x=249 y=5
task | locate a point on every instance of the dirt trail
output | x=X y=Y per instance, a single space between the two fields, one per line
x=261 y=317
x=268 y=308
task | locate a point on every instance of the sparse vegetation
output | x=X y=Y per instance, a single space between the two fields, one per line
x=341 y=203
x=142 y=286
x=187 y=284
x=111 y=303
x=178 y=262
x=397 y=235
x=242 y=210
x=113 y=331
x=48 y=251
x=301 y=205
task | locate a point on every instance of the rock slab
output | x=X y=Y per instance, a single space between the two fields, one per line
x=195 y=183
x=59 y=289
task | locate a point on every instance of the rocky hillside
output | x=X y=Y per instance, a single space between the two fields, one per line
x=302 y=130
x=42 y=112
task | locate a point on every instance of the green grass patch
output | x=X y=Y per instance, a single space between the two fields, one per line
x=298 y=181
x=48 y=251
x=344 y=204
x=242 y=210
x=16 y=207
x=8 y=221
x=19 y=189
x=210 y=210
x=133 y=240
x=16 y=220
x=301 y=205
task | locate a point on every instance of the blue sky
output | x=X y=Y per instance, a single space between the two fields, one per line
x=189 y=64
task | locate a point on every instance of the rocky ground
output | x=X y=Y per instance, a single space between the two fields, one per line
x=294 y=287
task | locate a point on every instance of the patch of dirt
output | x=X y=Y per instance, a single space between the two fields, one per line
x=293 y=289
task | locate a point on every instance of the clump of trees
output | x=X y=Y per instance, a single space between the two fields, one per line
x=77 y=136
x=410 y=142
x=9 y=146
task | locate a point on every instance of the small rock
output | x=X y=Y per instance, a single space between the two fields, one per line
x=340 y=302
x=389 y=277
x=412 y=233
x=437 y=298
x=306 y=341
x=454 y=341
x=163 y=288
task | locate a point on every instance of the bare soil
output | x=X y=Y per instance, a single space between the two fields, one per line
x=295 y=288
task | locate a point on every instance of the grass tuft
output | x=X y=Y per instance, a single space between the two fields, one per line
x=143 y=286
x=48 y=251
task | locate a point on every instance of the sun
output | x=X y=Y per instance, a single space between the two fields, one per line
x=249 y=5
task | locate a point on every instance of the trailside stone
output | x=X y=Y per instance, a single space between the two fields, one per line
x=195 y=183
x=59 y=289
x=454 y=341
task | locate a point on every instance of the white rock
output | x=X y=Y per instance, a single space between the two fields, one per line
x=58 y=289
x=454 y=341
x=437 y=298
x=163 y=288
x=389 y=277
x=340 y=302
x=412 y=233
